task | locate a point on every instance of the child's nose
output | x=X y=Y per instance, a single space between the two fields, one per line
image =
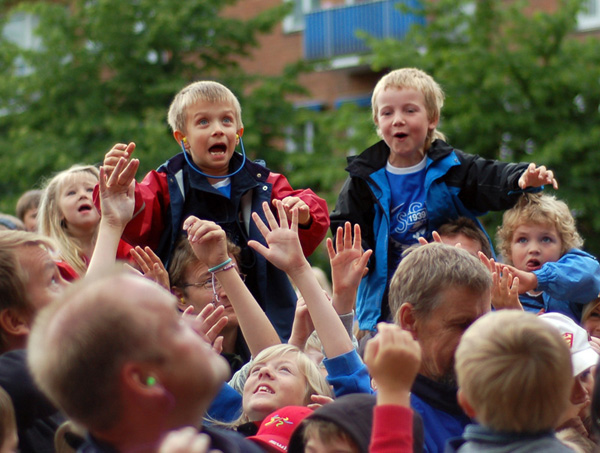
x=398 y=119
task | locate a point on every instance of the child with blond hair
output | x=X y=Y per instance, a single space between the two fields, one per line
x=210 y=180
x=539 y=241
x=515 y=377
x=411 y=182
x=68 y=216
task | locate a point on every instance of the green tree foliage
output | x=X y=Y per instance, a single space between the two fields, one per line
x=106 y=71
x=521 y=85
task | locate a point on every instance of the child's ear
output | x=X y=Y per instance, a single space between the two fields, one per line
x=433 y=123
x=178 y=135
x=405 y=318
x=464 y=403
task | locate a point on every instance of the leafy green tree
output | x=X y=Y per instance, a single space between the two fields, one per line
x=521 y=85
x=105 y=71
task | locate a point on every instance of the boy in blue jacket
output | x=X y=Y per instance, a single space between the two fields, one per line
x=538 y=238
x=407 y=185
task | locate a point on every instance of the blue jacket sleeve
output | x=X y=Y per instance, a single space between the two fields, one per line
x=227 y=405
x=348 y=374
x=575 y=277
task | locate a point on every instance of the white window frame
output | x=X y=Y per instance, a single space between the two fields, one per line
x=294 y=21
x=590 y=19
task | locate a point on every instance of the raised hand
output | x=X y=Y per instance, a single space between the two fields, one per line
x=436 y=238
x=348 y=266
x=290 y=203
x=284 y=249
x=505 y=285
x=118 y=151
x=208 y=324
x=117 y=193
x=393 y=358
x=536 y=176
x=302 y=327
x=151 y=266
x=208 y=240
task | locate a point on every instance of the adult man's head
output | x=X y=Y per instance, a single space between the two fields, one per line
x=436 y=293
x=115 y=356
x=29 y=280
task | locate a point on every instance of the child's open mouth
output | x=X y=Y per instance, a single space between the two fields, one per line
x=219 y=148
x=264 y=389
x=85 y=208
x=400 y=135
x=533 y=265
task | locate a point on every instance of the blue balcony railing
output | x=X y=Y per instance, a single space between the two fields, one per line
x=332 y=32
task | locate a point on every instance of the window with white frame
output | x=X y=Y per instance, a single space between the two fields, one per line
x=295 y=20
x=589 y=17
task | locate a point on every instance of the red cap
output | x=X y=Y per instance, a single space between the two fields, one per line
x=277 y=428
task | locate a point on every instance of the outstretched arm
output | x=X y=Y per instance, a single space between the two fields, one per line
x=117 y=201
x=209 y=242
x=285 y=252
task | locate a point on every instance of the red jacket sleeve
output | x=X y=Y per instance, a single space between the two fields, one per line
x=150 y=211
x=392 y=429
x=311 y=236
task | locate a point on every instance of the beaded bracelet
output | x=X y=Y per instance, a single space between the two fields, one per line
x=220 y=267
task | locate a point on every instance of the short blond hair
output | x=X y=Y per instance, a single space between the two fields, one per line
x=515 y=372
x=428 y=270
x=418 y=80
x=538 y=209
x=204 y=90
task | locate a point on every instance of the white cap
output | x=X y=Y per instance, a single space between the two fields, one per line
x=578 y=340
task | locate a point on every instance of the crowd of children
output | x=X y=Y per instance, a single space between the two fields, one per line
x=460 y=350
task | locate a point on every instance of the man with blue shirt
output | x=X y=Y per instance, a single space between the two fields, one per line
x=436 y=293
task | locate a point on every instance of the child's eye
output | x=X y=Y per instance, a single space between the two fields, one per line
x=71 y=192
x=547 y=239
x=203 y=122
x=228 y=120
x=286 y=369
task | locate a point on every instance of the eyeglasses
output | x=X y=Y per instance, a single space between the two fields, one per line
x=208 y=283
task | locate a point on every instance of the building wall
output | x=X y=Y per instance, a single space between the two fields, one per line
x=279 y=49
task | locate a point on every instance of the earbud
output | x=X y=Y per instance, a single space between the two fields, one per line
x=184 y=140
x=182 y=300
x=237 y=136
x=151 y=381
